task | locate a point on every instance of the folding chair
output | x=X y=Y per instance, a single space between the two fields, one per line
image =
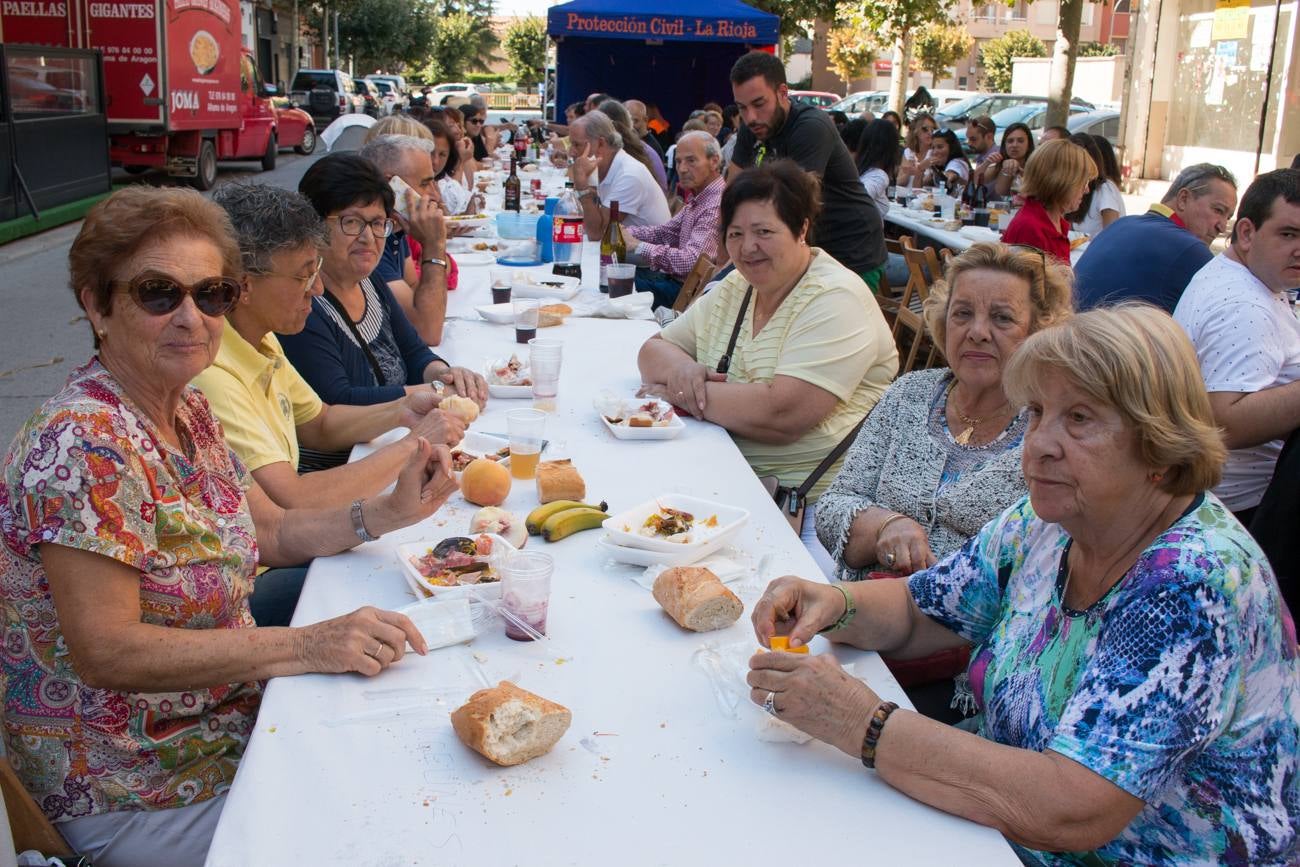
x=887 y=296
x=30 y=828
x=693 y=283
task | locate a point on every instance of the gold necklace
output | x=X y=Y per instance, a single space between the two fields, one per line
x=963 y=438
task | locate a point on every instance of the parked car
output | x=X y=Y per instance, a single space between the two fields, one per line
x=372 y=102
x=954 y=116
x=815 y=98
x=397 y=82
x=392 y=98
x=296 y=128
x=944 y=98
x=325 y=94
x=1102 y=122
x=454 y=93
x=1031 y=114
x=854 y=104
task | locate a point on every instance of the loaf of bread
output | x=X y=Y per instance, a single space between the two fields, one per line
x=552 y=314
x=559 y=480
x=509 y=725
x=697 y=599
x=463 y=408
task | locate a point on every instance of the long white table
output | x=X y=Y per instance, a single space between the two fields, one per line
x=913 y=222
x=350 y=770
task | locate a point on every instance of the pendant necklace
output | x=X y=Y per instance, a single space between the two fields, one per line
x=963 y=438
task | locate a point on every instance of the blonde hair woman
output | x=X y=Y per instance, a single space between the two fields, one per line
x=1057 y=177
x=1135 y=668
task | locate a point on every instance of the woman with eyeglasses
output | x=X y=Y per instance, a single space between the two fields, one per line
x=358 y=347
x=131 y=534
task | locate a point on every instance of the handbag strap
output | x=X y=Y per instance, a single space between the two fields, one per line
x=835 y=454
x=352 y=326
x=724 y=363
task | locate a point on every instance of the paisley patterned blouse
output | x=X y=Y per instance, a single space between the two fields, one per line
x=90 y=471
x=1180 y=685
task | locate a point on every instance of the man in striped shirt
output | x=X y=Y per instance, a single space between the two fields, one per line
x=667 y=252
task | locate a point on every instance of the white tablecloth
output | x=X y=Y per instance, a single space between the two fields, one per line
x=956 y=240
x=349 y=770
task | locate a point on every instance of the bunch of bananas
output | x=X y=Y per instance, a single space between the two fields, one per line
x=562 y=518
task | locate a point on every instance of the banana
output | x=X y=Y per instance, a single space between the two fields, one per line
x=537 y=517
x=570 y=521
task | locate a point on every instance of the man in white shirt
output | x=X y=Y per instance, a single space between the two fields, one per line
x=602 y=174
x=1241 y=321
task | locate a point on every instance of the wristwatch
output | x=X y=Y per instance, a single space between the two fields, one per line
x=433 y=260
x=588 y=191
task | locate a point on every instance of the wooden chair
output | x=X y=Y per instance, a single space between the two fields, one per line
x=30 y=828
x=887 y=296
x=693 y=283
x=909 y=313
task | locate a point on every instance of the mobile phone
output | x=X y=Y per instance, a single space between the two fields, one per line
x=399 y=188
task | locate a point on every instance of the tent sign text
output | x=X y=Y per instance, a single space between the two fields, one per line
x=657 y=26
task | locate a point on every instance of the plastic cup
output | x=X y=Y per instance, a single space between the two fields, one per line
x=526 y=316
x=622 y=279
x=544 y=359
x=526 y=591
x=501 y=280
x=525 y=428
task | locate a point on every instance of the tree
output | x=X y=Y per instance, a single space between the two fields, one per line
x=848 y=54
x=939 y=45
x=525 y=46
x=794 y=13
x=386 y=34
x=896 y=22
x=996 y=55
x=457 y=46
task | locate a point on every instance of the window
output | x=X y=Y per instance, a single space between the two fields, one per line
x=41 y=85
x=246 y=74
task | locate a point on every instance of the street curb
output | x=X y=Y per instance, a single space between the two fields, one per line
x=59 y=215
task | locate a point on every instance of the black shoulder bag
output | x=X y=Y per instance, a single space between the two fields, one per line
x=352 y=326
x=791 y=501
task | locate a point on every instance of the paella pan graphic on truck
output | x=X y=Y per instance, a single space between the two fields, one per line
x=204 y=51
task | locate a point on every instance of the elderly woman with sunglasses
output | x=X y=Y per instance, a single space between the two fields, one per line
x=131 y=537
x=358 y=346
x=1134 y=665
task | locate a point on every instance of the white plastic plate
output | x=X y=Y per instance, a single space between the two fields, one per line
x=542 y=285
x=422 y=588
x=501 y=314
x=509 y=392
x=623 y=528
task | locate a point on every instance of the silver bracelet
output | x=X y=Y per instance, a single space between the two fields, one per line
x=359 y=525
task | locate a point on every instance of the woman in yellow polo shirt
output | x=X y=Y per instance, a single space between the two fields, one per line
x=812 y=355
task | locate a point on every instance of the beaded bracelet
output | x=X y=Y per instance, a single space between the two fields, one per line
x=878 y=717
x=850 y=611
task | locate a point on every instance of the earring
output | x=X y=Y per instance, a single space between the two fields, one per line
x=101 y=334
x=1157 y=478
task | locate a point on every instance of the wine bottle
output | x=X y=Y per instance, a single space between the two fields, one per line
x=513 y=187
x=613 y=247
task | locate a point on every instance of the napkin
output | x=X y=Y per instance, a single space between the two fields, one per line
x=634 y=306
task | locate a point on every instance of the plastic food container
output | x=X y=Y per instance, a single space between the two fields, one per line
x=515 y=226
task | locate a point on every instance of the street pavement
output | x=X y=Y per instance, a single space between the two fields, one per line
x=43 y=333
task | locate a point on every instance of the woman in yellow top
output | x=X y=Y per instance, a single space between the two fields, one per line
x=813 y=353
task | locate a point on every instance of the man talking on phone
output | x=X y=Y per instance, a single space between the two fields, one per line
x=421 y=290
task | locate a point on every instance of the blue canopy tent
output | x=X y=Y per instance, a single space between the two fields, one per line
x=676 y=53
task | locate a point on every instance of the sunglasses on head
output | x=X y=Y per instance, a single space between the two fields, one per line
x=158 y=296
x=1029 y=248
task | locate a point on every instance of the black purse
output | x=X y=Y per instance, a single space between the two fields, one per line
x=792 y=502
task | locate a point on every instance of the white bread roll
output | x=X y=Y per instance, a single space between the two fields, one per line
x=697 y=599
x=463 y=408
x=559 y=480
x=509 y=725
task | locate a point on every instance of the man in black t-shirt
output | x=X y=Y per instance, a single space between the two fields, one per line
x=849 y=227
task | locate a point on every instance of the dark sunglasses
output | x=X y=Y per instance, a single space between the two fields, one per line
x=158 y=296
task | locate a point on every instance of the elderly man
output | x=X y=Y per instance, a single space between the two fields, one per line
x=602 y=173
x=1153 y=256
x=641 y=124
x=421 y=291
x=849 y=227
x=269 y=413
x=1238 y=312
x=668 y=252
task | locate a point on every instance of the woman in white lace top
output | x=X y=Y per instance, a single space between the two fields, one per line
x=939 y=455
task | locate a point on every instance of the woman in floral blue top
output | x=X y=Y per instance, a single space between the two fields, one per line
x=1134 y=665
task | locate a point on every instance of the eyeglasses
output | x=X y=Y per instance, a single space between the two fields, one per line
x=470 y=120
x=305 y=282
x=158 y=296
x=355 y=226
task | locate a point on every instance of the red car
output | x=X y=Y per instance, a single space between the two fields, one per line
x=295 y=127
